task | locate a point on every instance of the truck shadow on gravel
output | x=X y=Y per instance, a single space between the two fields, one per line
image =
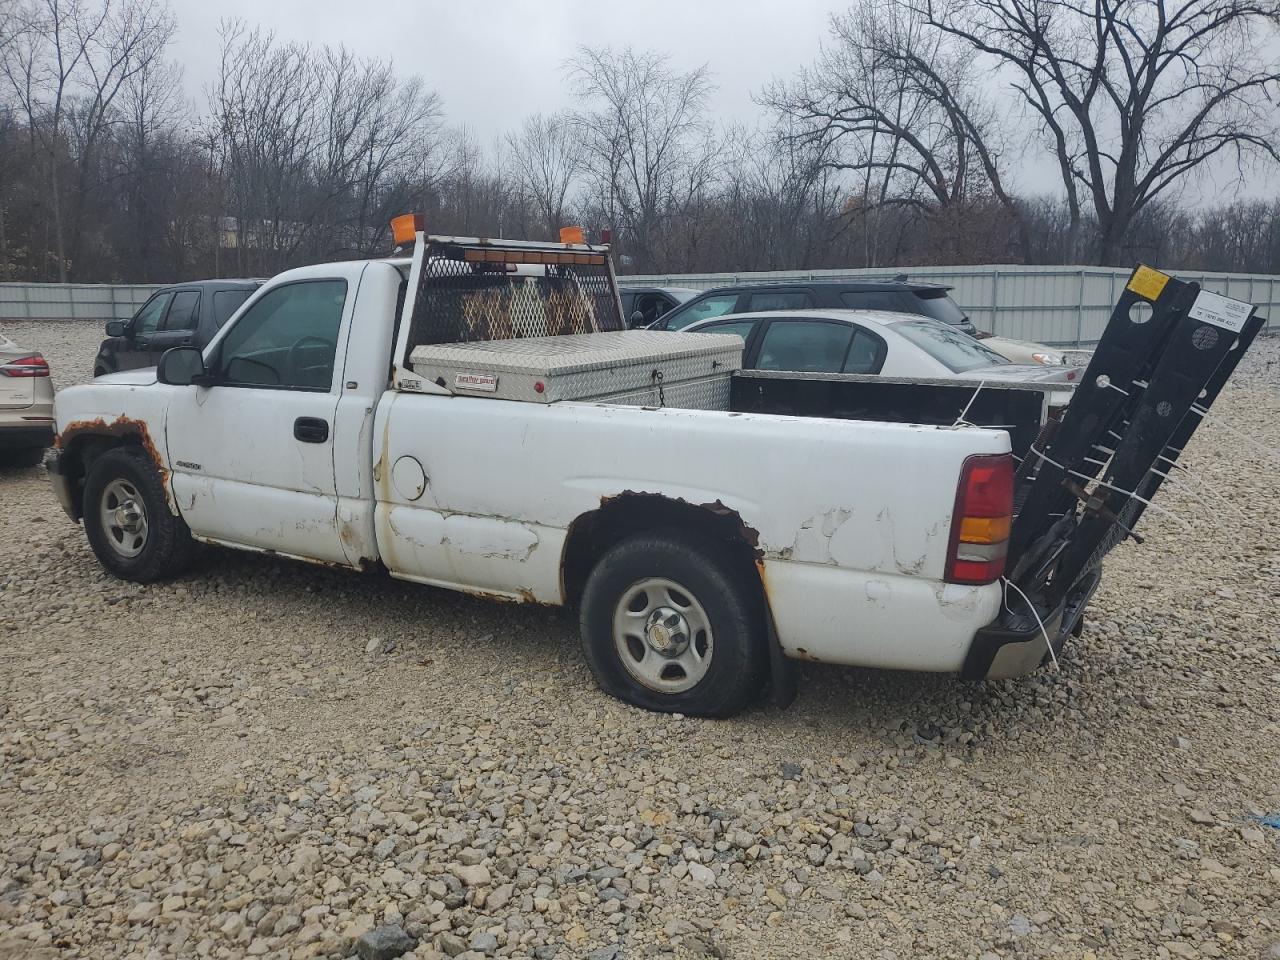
x=420 y=624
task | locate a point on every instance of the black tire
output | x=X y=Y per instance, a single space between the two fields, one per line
x=165 y=548
x=23 y=457
x=724 y=596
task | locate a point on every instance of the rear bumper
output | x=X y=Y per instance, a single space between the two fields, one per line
x=888 y=621
x=22 y=434
x=62 y=485
x=1014 y=645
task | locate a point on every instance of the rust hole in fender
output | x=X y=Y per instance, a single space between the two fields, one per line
x=750 y=535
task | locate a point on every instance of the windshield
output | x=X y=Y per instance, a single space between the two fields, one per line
x=936 y=304
x=956 y=351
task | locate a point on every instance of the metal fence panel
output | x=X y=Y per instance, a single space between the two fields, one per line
x=1066 y=305
x=71 y=301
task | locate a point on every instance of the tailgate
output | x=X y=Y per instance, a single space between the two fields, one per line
x=1167 y=351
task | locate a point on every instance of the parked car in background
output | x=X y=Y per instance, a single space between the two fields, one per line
x=183 y=315
x=26 y=405
x=873 y=342
x=642 y=306
x=900 y=296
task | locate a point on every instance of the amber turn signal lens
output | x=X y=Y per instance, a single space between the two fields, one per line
x=985 y=529
x=405 y=227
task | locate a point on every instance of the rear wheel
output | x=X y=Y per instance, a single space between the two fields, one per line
x=673 y=624
x=127 y=518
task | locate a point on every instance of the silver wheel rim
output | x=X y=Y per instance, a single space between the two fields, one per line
x=662 y=635
x=124 y=518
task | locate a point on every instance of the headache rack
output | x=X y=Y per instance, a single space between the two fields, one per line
x=465 y=289
x=1168 y=350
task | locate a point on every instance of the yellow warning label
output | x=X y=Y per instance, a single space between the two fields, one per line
x=1148 y=283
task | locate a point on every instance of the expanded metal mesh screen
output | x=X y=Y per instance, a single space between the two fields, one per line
x=460 y=301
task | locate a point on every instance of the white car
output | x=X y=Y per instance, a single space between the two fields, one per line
x=872 y=342
x=26 y=405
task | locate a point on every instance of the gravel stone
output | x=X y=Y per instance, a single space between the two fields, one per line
x=213 y=767
x=384 y=943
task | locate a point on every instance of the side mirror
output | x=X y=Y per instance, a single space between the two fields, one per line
x=116 y=328
x=637 y=320
x=183 y=366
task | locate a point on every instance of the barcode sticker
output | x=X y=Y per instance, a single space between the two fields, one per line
x=1220 y=311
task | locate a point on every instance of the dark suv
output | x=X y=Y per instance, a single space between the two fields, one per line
x=186 y=314
x=902 y=296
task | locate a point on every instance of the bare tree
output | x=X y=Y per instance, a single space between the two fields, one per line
x=1133 y=97
x=778 y=204
x=39 y=63
x=650 y=149
x=264 y=111
x=545 y=159
x=897 y=105
x=311 y=145
x=150 y=107
x=127 y=42
x=65 y=64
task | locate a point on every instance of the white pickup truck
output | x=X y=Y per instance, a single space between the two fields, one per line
x=702 y=547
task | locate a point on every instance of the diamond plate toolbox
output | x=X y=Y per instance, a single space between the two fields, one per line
x=649 y=367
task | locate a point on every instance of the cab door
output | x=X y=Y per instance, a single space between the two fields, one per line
x=135 y=347
x=179 y=325
x=252 y=455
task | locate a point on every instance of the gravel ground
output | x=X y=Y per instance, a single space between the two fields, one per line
x=269 y=759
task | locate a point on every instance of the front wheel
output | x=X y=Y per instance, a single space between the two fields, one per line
x=674 y=624
x=127 y=519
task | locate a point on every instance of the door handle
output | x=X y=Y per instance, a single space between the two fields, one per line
x=310 y=430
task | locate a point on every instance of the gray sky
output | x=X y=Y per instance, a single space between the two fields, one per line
x=495 y=62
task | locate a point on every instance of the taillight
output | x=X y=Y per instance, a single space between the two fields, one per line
x=982 y=519
x=32 y=366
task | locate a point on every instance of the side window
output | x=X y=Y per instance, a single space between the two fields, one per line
x=741 y=327
x=184 y=312
x=809 y=346
x=652 y=305
x=877 y=300
x=866 y=353
x=287 y=339
x=147 y=320
x=779 y=300
x=227 y=302
x=716 y=306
